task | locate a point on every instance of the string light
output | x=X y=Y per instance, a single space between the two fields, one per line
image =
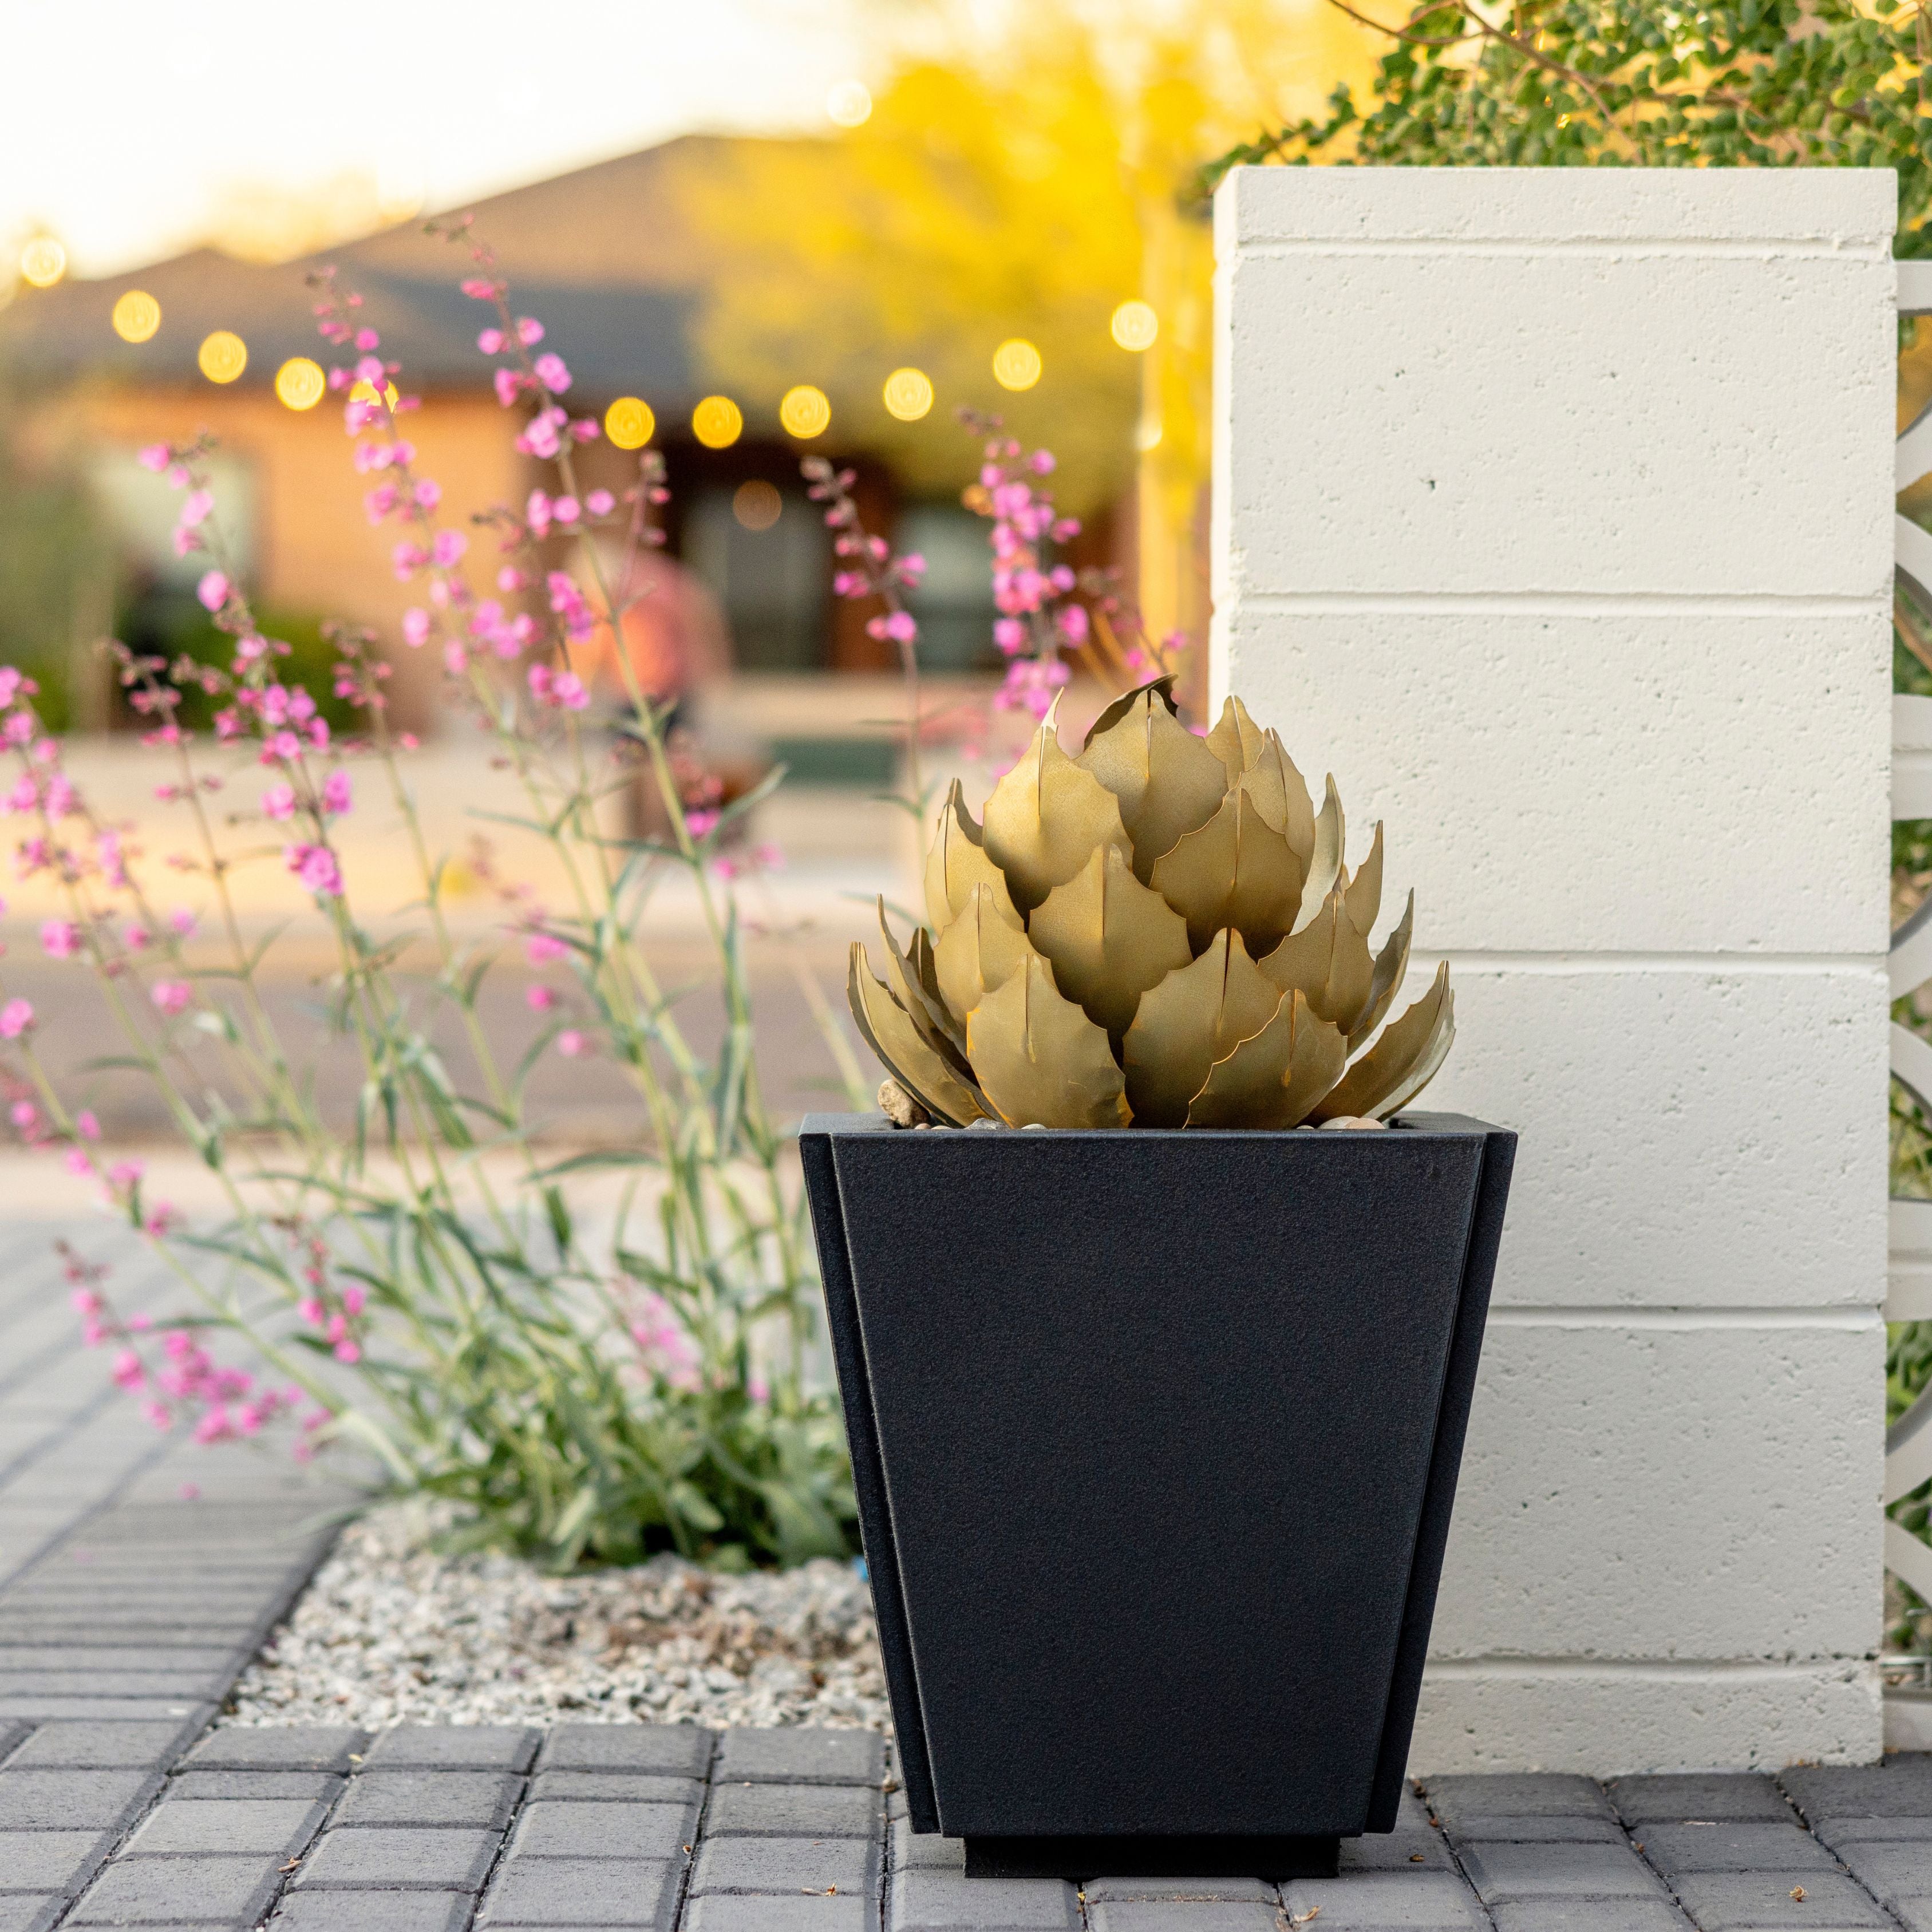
x=629 y=423
x=804 y=412
x=137 y=316
x=757 y=505
x=908 y=394
x=44 y=261
x=718 y=422
x=1135 y=325
x=223 y=356
x=300 y=383
x=850 y=104
x=1016 y=364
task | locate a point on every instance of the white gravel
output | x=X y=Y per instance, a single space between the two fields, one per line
x=390 y=1633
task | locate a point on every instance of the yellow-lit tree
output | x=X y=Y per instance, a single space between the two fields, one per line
x=1024 y=184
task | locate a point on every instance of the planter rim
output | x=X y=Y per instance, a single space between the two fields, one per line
x=1433 y=1125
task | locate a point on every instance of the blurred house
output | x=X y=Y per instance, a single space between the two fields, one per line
x=609 y=259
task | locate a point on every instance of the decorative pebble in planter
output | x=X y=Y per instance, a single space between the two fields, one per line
x=1155 y=1433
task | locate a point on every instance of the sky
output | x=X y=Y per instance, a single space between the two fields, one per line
x=130 y=131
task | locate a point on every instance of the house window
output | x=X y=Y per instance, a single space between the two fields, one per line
x=771 y=574
x=140 y=509
x=954 y=602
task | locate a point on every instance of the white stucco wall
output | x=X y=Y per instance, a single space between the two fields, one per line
x=1553 y=515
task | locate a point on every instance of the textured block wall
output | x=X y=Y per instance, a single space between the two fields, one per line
x=1553 y=515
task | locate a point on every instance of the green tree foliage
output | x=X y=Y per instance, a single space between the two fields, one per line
x=1582 y=83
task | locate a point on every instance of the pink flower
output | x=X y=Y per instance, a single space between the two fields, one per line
x=196 y=506
x=125 y=1173
x=600 y=502
x=60 y=938
x=507 y=383
x=697 y=823
x=415 y=627
x=541 y=949
x=571 y=1043
x=552 y=373
x=337 y=797
x=128 y=1372
x=539 y=999
x=899 y=625
x=16 y=1016
x=529 y=330
x=135 y=938
x=181 y=920
x=279 y=801
x=428 y=493
x=565 y=509
x=77 y=1163
x=156 y=457
x=448 y=548
x=1010 y=634
x=1073 y=622
x=354 y=1297
x=171 y=996
x=212 y=590
x=316 y=866
x=346 y=1351
x=26 y=1117
x=491 y=342
x=86 y=1125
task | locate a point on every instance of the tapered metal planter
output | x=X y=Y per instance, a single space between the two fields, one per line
x=1155 y=1436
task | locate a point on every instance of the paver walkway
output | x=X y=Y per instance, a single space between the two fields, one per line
x=127 y=1610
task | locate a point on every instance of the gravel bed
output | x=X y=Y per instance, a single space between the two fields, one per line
x=390 y=1633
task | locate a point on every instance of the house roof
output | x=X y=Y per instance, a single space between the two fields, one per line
x=607 y=256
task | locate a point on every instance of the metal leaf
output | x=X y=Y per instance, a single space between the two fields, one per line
x=1331 y=835
x=1237 y=870
x=1198 y=1015
x=1391 y=964
x=1109 y=938
x=1400 y=1063
x=1280 y=793
x=1328 y=960
x=1122 y=705
x=1167 y=781
x=980 y=949
x=1040 y=1060
x=926 y=971
x=929 y=1017
x=1364 y=891
x=889 y=1031
x=1272 y=1079
x=1236 y=739
x=1044 y=819
x=957 y=862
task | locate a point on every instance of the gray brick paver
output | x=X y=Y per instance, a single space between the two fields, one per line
x=24 y=1912
x=510 y=1748
x=1218 y=1891
x=1891 y=1872
x=279 y=1747
x=373 y=1912
x=1396 y=1851
x=672 y=1750
x=1386 y=1902
x=922 y=1899
x=608 y=1786
x=1671 y=1797
x=1505 y=1873
x=1187 y=1915
x=279 y=1826
x=1763 y=1902
x=786 y=1865
x=745 y=1912
x=1537 y=1831
x=557 y=1892
x=71 y=1744
x=800 y=1755
x=232 y=1892
x=47 y=1800
x=795 y=1811
x=1752 y=1846
x=1516 y=1795
x=42 y=1862
x=451 y=1859
x=588 y=1830
x=200 y=1784
x=1592 y=1914
x=428 y=1797
x=1895 y=1789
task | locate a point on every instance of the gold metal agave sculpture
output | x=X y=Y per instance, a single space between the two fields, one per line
x=1158 y=933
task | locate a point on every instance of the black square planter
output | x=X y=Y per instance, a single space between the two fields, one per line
x=1155 y=1436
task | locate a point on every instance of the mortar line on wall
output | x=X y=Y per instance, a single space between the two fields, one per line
x=1858 y=1316
x=1757 y=248
x=1539 y=603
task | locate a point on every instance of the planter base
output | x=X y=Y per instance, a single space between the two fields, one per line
x=1190 y=1856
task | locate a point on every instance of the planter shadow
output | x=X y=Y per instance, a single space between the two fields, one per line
x=1155 y=1436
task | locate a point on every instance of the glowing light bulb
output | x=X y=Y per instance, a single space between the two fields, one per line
x=629 y=423
x=757 y=505
x=1147 y=434
x=718 y=422
x=850 y=102
x=1135 y=326
x=137 y=316
x=223 y=356
x=908 y=394
x=300 y=383
x=1016 y=364
x=804 y=412
x=44 y=261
